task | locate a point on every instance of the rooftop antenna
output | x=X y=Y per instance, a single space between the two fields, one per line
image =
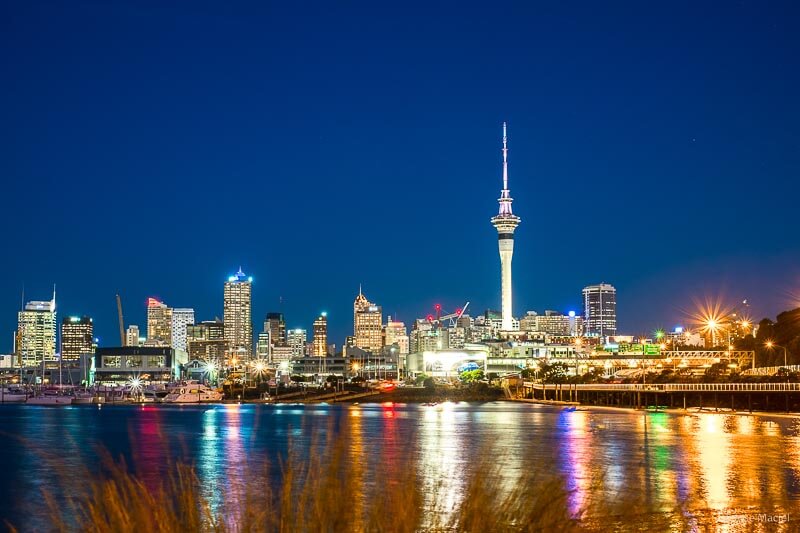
x=505 y=158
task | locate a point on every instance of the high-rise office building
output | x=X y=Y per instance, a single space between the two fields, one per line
x=181 y=318
x=505 y=222
x=367 y=324
x=297 y=339
x=263 y=348
x=159 y=323
x=600 y=310
x=320 y=341
x=237 y=315
x=275 y=324
x=395 y=332
x=132 y=335
x=552 y=323
x=206 y=341
x=36 y=332
x=76 y=338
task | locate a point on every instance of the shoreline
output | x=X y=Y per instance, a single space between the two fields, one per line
x=670 y=410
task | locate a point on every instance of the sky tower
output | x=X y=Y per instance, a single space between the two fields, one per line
x=505 y=223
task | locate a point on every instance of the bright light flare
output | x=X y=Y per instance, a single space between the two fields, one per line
x=711 y=317
x=259 y=367
x=135 y=384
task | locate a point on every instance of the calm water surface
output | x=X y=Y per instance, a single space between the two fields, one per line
x=734 y=462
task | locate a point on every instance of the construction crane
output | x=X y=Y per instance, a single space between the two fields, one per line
x=121 y=323
x=451 y=317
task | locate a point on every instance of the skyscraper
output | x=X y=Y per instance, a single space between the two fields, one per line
x=132 y=335
x=395 y=332
x=275 y=324
x=263 y=348
x=76 y=338
x=237 y=315
x=505 y=222
x=206 y=341
x=181 y=317
x=296 y=339
x=320 y=346
x=36 y=332
x=367 y=324
x=159 y=323
x=600 y=310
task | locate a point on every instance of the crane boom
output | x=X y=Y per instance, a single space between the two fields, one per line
x=121 y=323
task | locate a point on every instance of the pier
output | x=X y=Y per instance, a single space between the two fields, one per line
x=734 y=396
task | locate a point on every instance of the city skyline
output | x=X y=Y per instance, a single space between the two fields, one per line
x=380 y=167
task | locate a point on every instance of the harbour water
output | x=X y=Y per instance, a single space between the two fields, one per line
x=732 y=463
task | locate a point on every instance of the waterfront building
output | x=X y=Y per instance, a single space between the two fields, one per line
x=320 y=341
x=297 y=339
x=36 y=333
x=159 y=323
x=505 y=222
x=395 y=332
x=237 y=315
x=151 y=365
x=445 y=363
x=77 y=335
x=206 y=341
x=281 y=354
x=319 y=367
x=181 y=318
x=600 y=310
x=275 y=324
x=132 y=336
x=367 y=324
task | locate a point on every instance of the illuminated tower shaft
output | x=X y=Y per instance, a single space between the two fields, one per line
x=505 y=223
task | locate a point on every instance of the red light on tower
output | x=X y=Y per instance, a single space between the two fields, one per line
x=438 y=307
x=430 y=318
x=459 y=311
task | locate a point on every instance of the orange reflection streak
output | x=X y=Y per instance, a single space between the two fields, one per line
x=354 y=426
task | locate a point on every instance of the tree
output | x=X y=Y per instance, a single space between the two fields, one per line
x=471 y=376
x=554 y=373
x=714 y=373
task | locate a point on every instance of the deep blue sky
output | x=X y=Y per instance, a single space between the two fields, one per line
x=150 y=150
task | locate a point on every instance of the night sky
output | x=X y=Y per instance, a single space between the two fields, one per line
x=151 y=150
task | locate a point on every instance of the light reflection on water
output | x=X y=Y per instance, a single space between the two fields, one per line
x=732 y=463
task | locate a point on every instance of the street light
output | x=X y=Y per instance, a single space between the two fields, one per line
x=771 y=345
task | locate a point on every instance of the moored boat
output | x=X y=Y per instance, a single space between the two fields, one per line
x=192 y=392
x=12 y=395
x=49 y=398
